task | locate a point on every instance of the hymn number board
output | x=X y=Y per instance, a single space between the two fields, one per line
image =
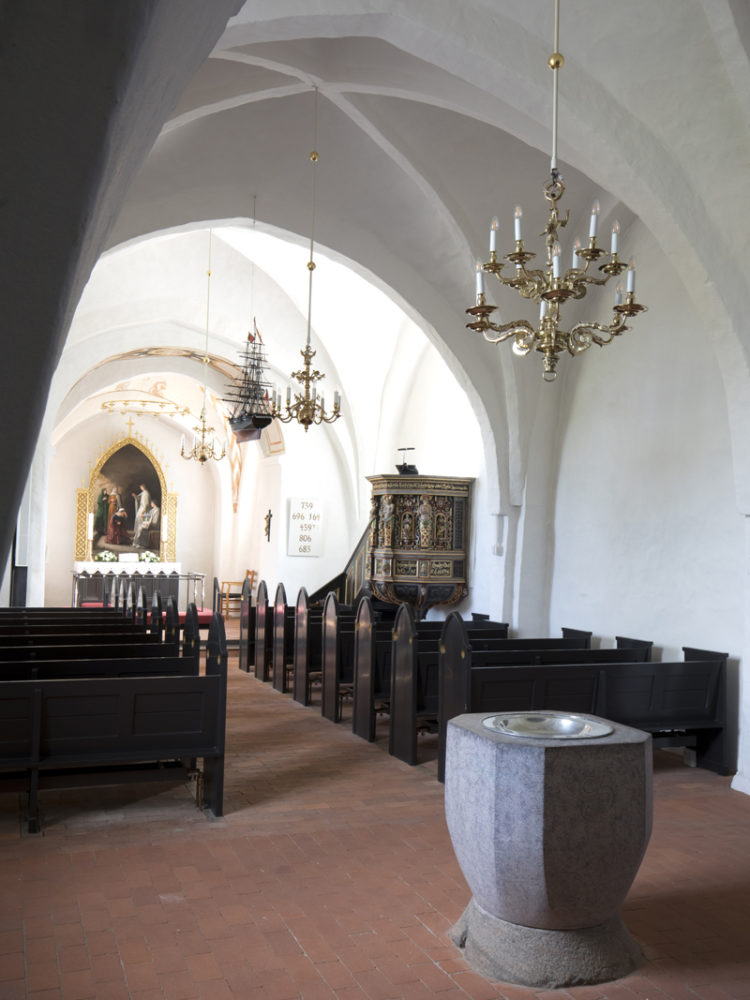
x=305 y=528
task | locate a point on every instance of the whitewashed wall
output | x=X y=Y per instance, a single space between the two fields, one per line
x=648 y=540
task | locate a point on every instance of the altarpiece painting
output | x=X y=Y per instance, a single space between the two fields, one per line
x=128 y=499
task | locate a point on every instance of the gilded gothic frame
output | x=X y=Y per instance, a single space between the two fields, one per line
x=86 y=498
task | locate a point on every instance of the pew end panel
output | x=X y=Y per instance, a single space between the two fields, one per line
x=580 y=635
x=246 y=658
x=305 y=643
x=363 y=711
x=402 y=738
x=282 y=642
x=626 y=642
x=263 y=633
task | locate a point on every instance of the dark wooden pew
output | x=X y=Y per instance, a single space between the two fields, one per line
x=263 y=633
x=414 y=686
x=156 y=619
x=460 y=658
x=42 y=628
x=373 y=655
x=247 y=628
x=418 y=684
x=337 y=656
x=71 y=732
x=64 y=613
x=532 y=688
x=282 y=641
x=308 y=647
x=372 y=669
x=625 y=642
x=59 y=616
x=62 y=648
x=110 y=654
x=680 y=704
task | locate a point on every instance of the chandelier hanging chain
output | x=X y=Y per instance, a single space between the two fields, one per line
x=549 y=286
x=307 y=407
x=555 y=62
x=311 y=262
x=204 y=446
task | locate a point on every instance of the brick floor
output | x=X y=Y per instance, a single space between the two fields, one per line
x=331 y=875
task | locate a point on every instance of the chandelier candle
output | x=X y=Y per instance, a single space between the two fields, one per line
x=615 y=235
x=480 y=277
x=631 y=276
x=576 y=247
x=594 y=220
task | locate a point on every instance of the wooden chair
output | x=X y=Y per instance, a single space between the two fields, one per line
x=231 y=593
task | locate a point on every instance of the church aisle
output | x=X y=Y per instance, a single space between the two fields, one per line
x=330 y=876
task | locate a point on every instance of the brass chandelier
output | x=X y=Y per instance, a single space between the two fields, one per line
x=204 y=447
x=550 y=286
x=308 y=407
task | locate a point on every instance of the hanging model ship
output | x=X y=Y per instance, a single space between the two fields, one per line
x=249 y=395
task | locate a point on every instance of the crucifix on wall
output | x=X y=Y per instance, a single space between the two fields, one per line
x=269 y=515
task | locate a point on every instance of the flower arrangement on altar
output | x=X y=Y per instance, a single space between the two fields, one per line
x=105 y=556
x=148 y=556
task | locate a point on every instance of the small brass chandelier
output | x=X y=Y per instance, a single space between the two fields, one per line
x=204 y=447
x=307 y=407
x=551 y=286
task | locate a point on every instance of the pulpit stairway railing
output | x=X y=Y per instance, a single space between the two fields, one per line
x=352 y=582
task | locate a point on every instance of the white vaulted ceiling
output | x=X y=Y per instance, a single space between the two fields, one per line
x=435 y=115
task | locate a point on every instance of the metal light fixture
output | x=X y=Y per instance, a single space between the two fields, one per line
x=204 y=445
x=307 y=407
x=550 y=286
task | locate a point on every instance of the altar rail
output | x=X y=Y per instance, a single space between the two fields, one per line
x=101 y=587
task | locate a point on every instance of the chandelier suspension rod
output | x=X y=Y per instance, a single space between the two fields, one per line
x=208 y=312
x=555 y=64
x=252 y=271
x=311 y=263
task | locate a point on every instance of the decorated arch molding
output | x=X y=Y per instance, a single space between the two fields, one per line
x=86 y=498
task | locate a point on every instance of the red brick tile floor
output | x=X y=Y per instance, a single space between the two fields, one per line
x=331 y=875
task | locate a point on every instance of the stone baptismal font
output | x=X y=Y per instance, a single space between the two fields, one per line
x=549 y=814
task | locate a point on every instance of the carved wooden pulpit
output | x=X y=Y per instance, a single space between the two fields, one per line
x=419 y=531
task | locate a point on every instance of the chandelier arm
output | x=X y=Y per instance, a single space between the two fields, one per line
x=583 y=335
x=507 y=330
x=529 y=285
x=578 y=282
